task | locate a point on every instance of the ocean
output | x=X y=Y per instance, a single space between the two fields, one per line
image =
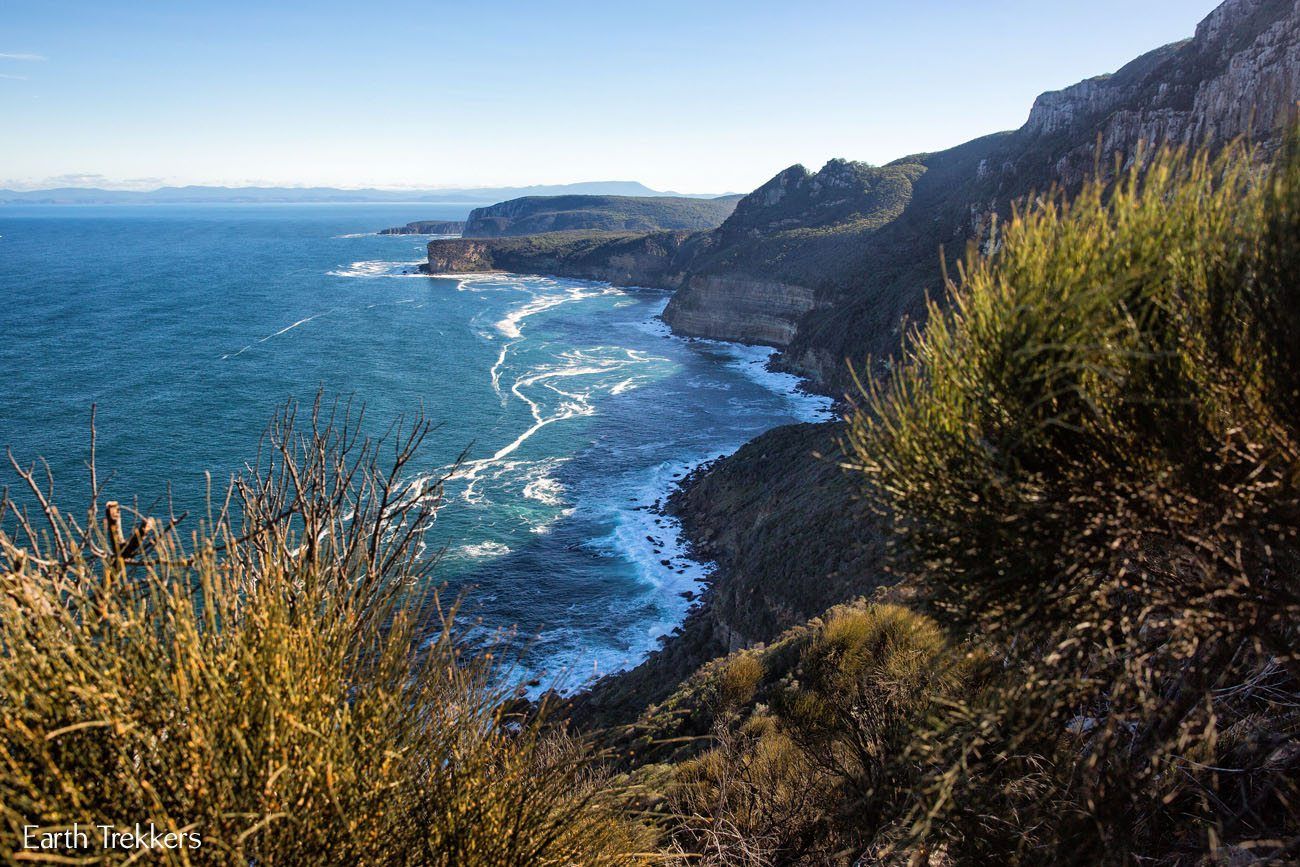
x=188 y=326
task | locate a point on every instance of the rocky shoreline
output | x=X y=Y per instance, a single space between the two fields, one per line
x=789 y=536
x=427 y=227
x=834 y=267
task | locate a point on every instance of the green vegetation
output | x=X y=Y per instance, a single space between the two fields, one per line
x=804 y=228
x=1091 y=456
x=266 y=686
x=533 y=215
x=1089 y=462
x=810 y=228
x=812 y=778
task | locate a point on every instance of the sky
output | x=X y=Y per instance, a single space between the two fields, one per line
x=701 y=96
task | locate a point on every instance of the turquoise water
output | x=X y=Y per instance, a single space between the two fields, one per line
x=189 y=325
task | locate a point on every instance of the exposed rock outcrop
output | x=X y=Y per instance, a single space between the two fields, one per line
x=428 y=227
x=740 y=308
x=827 y=264
x=790 y=537
x=459 y=257
x=798 y=232
x=767 y=512
x=1240 y=75
x=656 y=260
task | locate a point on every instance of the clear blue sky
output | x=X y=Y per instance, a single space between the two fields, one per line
x=709 y=95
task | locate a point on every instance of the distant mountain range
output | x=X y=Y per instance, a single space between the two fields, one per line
x=307 y=195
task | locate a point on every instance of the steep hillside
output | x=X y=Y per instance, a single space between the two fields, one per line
x=873 y=278
x=533 y=215
x=1239 y=76
x=791 y=538
x=827 y=265
x=750 y=280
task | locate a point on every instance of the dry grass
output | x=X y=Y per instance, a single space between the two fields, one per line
x=269 y=683
x=813 y=777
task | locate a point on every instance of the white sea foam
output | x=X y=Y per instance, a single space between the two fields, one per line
x=510 y=325
x=576 y=377
x=496 y=371
x=653 y=541
x=590 y=367
x=379 y=268
x=357 y=235
x=497 y=281
x=484 y=550
x=286 y=328
x=654 y=544
x=479 y=281
x=626 y=385
x=753 y=362
x=545 y=490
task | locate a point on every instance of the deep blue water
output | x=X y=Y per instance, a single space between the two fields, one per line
x=189 y=325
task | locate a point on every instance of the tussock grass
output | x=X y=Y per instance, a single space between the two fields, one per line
x=814 y=773
x=269 y=684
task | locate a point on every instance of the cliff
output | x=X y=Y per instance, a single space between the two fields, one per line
x=752 y=279
x=836 y=282
x=625 y=260
x=428 y=227
x=827 y=265
x=790 y=537
x=533 y=215
x=1239 y=75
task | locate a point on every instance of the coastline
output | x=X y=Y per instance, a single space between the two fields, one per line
x=658 y=530
x=652 y=535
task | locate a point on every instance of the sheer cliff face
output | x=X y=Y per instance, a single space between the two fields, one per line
x=740 y=308
x=750 y=280
x=760 y=273
x=1240 y=75
x=784 y=526
x=826 y=265
x=787 y=242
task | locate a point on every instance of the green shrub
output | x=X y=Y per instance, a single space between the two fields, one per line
x=812 y=779
x=739 y=680
x=266 y=684
x=1091 y=457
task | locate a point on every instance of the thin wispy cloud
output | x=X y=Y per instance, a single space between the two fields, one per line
x=20 y=56
x=13 y=77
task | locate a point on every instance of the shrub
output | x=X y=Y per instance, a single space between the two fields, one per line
x=739 y=680
x=814 y=778
x=866 y=681
x=1091 y=457
x=269 y=684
